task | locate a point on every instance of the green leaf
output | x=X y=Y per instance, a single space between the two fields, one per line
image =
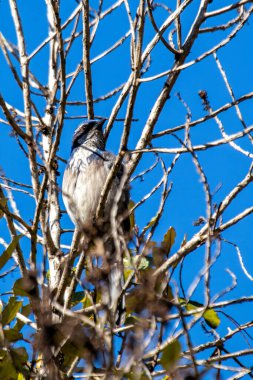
x=69 y=352
x=10 y=310
x=129 y=265
x=20 y=354
x=211 y=318
x=133 y=320
x=48 y=275
x=190 y=305
x=131 y=204
x=170 y=355
x=169 y=239
x=131 y=302
x=127 y=273
x=144 y=263
x=7 y=370
x=21 y=377
x=150 y=224
x=87 y=300
x=19 y=357
x=77 y=298
x=26 y=310
x=12 y=363
x=3 y=202
x=18 y=288
x=9 y=251
x=12 y=335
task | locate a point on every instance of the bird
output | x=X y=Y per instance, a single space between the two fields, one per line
x=83 y=180
x=85 y=175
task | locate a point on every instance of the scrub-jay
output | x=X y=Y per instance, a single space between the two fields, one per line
x=83 y=181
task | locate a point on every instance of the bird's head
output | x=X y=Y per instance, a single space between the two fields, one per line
x=89 y=133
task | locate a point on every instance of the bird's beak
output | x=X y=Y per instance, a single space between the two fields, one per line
x=100 y=124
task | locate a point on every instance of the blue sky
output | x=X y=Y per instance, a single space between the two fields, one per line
x=223 y=166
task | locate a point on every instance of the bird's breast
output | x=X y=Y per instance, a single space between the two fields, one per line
x=83 y=182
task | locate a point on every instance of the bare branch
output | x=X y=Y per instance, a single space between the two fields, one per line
x=86 y=58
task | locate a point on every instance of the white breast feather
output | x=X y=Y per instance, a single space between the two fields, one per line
x=83 y=182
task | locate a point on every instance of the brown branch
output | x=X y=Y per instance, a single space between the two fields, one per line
x=164 y=95
x=217 y=47
x=12 y=122
x=68 y=262
x=18 y=251
x=205 y=118
x=166 y=44
x=178 y=28
x=200 y=238
x=227 y=8
x=223 y=26
x=86 y=58
x=26 y=94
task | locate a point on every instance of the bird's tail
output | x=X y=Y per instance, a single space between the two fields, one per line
x=117 y=304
